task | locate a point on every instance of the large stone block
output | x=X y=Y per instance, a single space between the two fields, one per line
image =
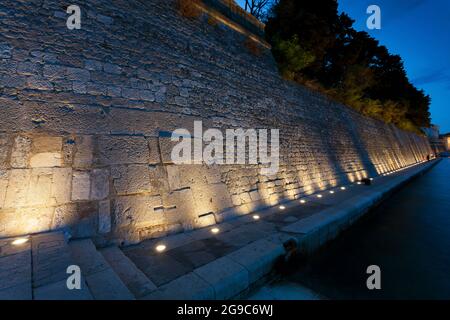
x=104 y=216
x=137 y=210
x=4 y=174
x=130 y=179
x=99 y=184
x=20 y=152
x=16 y=193
x=81 y=185
x=184 y=209
x=46 y=160
x=62 y=184
x=123 y=150
x=65 y=216
x=25 y=221
x=84 y=152
x=40 y=188
x=43 y=144
x=5 y=148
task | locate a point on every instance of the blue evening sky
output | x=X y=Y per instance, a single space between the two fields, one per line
x=419 y=31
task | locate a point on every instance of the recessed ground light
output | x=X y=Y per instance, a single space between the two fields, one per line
x=359 y=182
x=19 y=241
x=303 y=201
x=343 y=188
x=160 y=248
x=215 y=230
x=319 y=196
x=256 y=217
x=331 y=191
x=282 y=207
x=371 y=179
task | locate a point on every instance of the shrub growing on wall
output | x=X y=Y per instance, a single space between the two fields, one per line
x=319 y=48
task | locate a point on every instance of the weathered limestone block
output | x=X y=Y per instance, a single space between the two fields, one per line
x=205 y=220
x=46 y=144
x=184 y=210
x=137 y=210
x=104 y=217
x=81 y=184
x=16 y=193
x=158 y=178
x=62 y=183
x=166 y=147
x=40 y=188
x=173 y=176
x=84 y=152
x=46 y=160
x=236 y=199
x=20 y=152
x=99 y=184
x=65 y=216
x=5 y=147
x=153 y=146
x=245 y=197
x=212 y=174
x=254 y=195
x=25 y=221
x=4 y=175
x=129 y=179
x=123 y=150
x=87 y=221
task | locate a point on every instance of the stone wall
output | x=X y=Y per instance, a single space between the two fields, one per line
x=85 y=115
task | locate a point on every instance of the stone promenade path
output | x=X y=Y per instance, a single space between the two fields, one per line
x=220 y=262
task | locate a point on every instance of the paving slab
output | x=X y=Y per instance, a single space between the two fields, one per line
x=59 y=291
x=160 y=268
x=20 y=292
x=258 y=258
x=131 y=276
x=193 y=254
x=51 y=257
x=227 y=277
x=187 y=287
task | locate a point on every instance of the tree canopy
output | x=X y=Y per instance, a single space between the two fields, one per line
x=318 y=47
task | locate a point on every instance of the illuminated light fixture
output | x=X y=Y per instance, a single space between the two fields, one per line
x=331 y=191
x=256 y=217
x=343 y=188
x=215 y=230
x=371 y=179
x=282 y=207
x=359 y=182
x=19 y=241
x=319 y=196
x=303 y=201
x=160 y=248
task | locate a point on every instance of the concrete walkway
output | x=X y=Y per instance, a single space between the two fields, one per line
x=221 y=262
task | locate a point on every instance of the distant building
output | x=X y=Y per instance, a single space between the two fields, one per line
x=445 y=139
x=436 y=142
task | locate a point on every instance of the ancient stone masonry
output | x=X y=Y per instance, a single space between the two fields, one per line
x=83 y=115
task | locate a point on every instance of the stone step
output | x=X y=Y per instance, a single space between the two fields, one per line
x=135 y=280
x=103 y=282
x=51 y=258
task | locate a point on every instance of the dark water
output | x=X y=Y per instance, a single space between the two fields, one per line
x=408 y=237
